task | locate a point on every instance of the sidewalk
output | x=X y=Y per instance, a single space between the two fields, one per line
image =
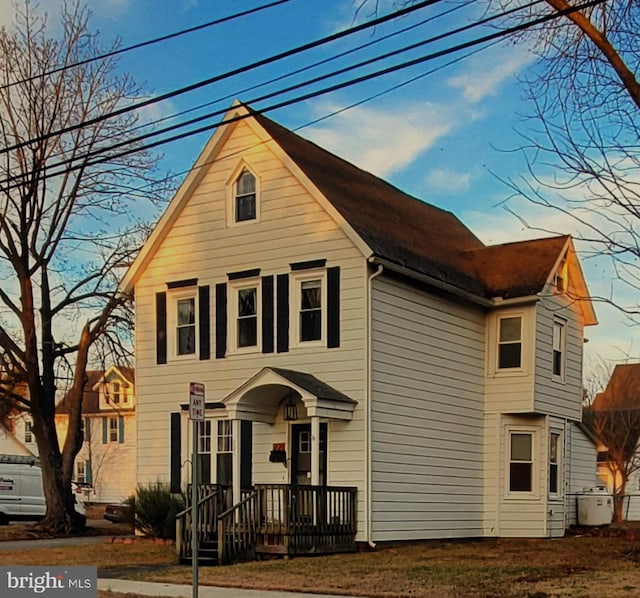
x=185 y=591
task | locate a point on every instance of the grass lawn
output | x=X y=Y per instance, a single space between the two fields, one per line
x=574 y=566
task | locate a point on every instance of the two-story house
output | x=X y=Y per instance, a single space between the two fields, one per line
x=107 y=460
x=359 y=341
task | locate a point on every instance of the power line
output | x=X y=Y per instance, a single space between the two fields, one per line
x=228 y=74
x=149 y=42
x=308 y=67
x=462 y=46
x=300 y=85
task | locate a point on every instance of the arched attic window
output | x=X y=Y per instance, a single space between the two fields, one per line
x=245 y=197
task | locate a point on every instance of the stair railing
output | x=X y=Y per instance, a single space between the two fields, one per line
x=209 y=505
x=238 y=530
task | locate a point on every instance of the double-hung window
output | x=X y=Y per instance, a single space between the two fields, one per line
x=116 y=392
x=559 y=333
x=247 y=316
x=113 y=429
x=186 y=325
x=520 y=462
x=28 y=432
x=509 y=342
x=224 y=458
x=309 y=311
x=554 y=463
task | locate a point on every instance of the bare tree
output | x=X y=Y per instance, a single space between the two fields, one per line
x=64 y=238
x=582 y=125
x=614 y=417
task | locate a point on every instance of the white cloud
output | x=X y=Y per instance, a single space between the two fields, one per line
x=447 y=180
x=485 y=73
x=380 y=140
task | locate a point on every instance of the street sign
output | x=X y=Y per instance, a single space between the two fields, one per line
x=196 y=401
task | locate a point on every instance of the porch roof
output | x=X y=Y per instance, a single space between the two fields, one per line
x=261 y=396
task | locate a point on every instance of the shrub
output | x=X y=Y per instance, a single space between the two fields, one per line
x=155 y=510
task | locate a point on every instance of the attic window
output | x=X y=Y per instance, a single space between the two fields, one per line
x=245 y=197
x=561 y=277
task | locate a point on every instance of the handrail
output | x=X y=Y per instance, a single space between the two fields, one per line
x=208 y=506
x=238 y=529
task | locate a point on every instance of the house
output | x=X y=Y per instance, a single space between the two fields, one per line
x=368 y=363
x=11 y=445
x=107 y=458
x=621 y=399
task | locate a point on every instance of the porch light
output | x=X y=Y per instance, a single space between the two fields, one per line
x=290 y=410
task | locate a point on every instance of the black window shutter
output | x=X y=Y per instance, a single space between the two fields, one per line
x=246 y=451
x=161 y=328
x=267 y=314
x=333 y=307
x=283 y=313
x=175 y=461
x=221 y=320
x=203 y=322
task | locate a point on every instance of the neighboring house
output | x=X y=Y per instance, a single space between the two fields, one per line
x=107 y=459
x=622 y=394
x=11 y=445
x=350 y=335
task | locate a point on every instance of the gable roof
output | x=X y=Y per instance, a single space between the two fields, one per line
x=91 y=392
x=392 y=226
x=622 y=391
x=516 y=269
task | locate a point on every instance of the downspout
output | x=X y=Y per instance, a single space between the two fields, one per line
x=368 y=376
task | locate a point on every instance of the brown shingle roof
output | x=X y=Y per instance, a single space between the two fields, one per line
x=516 y=269
x=416 y=235
x=622 y=391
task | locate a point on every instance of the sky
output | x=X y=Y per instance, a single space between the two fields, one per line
x=443 y=132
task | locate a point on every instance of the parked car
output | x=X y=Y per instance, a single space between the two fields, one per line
x=117 y=513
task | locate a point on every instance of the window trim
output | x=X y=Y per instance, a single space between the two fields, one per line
x=28 y=432
x=81 y=465
x=111 y=429
x=235 y=286
x=521 y=494
x=559 y=493
x=173 y=296
x=498 y=342
x=562 y=326
x=296 y=280
x=231 y=183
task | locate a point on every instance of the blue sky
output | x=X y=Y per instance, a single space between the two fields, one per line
x=445 y=137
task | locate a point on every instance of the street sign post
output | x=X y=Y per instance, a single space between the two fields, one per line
x=196 y=415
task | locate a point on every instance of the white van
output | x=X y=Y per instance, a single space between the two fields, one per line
x=21 y=494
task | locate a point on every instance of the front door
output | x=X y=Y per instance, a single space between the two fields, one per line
x=301 y=454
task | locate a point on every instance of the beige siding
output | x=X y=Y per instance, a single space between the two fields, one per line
x=554 y=395
x=523 y=515
x=292 y=227
x=510 y=391
x=427 y=437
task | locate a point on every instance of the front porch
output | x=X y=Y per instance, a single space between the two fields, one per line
x=280 y=519
x=277 y=499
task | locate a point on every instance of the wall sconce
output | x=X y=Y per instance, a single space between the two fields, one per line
x=290 y=409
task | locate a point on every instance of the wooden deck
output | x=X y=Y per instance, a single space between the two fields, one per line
x=274 y=519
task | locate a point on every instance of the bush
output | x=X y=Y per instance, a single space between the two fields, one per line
x=155 y=510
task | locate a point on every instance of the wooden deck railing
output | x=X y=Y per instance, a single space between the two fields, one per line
x=306 y=519
x=211 y=502
x=238 y=530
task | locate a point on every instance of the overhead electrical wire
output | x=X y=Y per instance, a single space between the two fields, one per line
x=148 y=42
x=471 y=43
x=297 y=86
x=308 y=67
x=216 y=78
